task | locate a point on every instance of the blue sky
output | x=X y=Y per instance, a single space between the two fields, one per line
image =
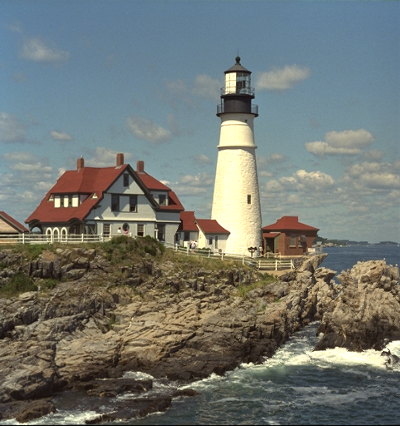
x=94 y=78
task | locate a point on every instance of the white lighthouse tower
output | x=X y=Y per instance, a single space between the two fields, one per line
x=236 y=200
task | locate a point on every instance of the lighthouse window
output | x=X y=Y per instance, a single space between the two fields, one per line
x=249 y=199
x=242 y=83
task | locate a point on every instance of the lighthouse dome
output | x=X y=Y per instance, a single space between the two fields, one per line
x=238 y=67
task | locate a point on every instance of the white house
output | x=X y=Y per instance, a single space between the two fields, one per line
x=207 y=232
x=106 y=200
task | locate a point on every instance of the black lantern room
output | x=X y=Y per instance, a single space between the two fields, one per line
x=237 y=93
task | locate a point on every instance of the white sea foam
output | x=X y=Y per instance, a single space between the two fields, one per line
x=60 y=417
x=137 y=375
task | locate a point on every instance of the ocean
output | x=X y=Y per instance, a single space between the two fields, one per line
x=296 y=386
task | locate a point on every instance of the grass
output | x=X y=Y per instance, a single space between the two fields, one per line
x=121 y=247
x=18 y=284
x=244 y=289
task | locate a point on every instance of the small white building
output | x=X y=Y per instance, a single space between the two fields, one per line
x=207 y=232
x=105 y=201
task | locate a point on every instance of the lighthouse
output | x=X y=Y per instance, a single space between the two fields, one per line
x=236 y=199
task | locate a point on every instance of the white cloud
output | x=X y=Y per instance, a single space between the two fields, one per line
x=314 y=181
x=147 y=130
x=193 y=185
x=11 y=129
x=60 y=136
x=370 y=176
x=276 y=158
x=206 y=87
x=202 y=159
x=282 y=78
x=347 y=142
x=372 y=156
x=201 y=179
x=264 y=173
x=35 y=49
x=105 y=157
x=27 y=170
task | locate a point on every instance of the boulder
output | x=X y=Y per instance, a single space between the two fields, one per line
x=366 y=311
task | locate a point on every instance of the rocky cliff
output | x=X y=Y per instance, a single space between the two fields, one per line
x=179 y=320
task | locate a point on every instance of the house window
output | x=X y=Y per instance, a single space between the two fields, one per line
x=161 y=232
x=140 y=230
x=126 y=180
x=133 y=203
x=216 y=241
x=106 y=230
x=162 y=200
x=292 y=242
x=249 y=199
x=186 y=236
x=210 y=241
x=115 y=203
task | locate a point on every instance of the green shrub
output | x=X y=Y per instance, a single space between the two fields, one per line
x=49 y=284
x=18 y=284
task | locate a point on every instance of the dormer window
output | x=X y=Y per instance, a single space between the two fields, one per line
x=51 y=198
x=162 y=200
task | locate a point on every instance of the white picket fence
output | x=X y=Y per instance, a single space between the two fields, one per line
x=268 y=262
x=50 y=239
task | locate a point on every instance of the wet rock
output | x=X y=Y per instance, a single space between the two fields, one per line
x=113 y=387
x=34 y=410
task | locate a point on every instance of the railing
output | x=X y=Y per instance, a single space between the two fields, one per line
x=275 y=264
x=237 y=91
x=269 y=261
x=53 y=238
x=221 y=109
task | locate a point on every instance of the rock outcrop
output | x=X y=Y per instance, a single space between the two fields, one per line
x=166 y=319
x=366 y=311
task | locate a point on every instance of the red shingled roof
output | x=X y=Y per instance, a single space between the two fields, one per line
x=211 y=226
x=289 y=223
x=151 y=183
x=271 y=234
x=174 y=203
x=187 y=222
x=86 y=181
x=12 y=222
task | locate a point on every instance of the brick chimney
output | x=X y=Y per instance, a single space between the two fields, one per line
x=120 y=159
x=140 y=167
x=80 y=164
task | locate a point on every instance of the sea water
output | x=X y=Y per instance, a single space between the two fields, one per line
x=295 y=386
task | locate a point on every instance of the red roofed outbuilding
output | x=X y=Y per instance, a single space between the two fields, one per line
x=9 y=226
x=288 y=236
x=207 y=232
x=108 y=200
